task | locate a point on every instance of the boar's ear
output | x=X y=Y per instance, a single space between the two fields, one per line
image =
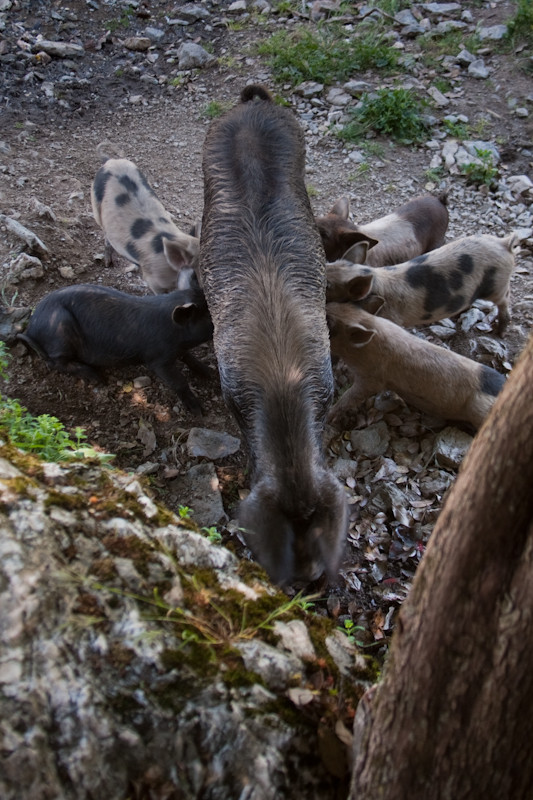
x=373 y=304
x=181 y=250
x=185 y=313
x=359 y=335
x=341 y=208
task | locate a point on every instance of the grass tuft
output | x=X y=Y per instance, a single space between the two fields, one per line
x=396 y=113
x=325 y=56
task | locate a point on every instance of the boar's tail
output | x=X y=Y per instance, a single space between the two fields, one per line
x=255 y=92
x=107 y=150
x=443 y=197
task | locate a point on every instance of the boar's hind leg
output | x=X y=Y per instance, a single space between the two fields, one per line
x=173 y=377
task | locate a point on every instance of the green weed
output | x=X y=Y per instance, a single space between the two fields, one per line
x=361 y=171
x=123 y=21
x=484 y=172
x=433 y=45
x=434 y=174
x=325 y=56
x=459 y=130
x=214 y=536
x=45 y=435
x=184 y=512
x=520 y=27
x=396 y=113
x=215 y=109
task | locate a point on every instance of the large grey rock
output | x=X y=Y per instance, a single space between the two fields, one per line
x=58 y=49
x=126 y=662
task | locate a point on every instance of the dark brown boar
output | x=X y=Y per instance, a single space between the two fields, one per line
x=262 y=268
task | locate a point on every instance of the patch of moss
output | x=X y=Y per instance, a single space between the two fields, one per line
x=71 y=502
x=197 y=655
x=103 y=568
x=120 y=656
x=139 y=551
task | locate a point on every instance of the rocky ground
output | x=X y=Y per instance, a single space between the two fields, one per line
x=121 y=72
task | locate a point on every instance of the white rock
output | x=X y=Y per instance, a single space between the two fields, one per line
x=438 y=97
x=451 y=446
x=494 y=32
x=478 y=69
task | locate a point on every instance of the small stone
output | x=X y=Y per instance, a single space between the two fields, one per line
x=451 y=446
x=200 y=490
x=494 y=32
x=356 y=88
x=276 y=669
x=137 y=43
x=371 y=441
x=295 y=638
x=309 y=89
x=191 y=55
x=205 y=443
x=142 y=381
x=438 y=97
x=477 y=69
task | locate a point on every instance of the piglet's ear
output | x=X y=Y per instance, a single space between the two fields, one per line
x=185 y=313
x=358 y=287
x=341 y=208
x=356 y=253
x=359 y=335
x=373 y=304
x=181 y=250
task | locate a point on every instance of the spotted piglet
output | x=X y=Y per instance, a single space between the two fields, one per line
x=432 y=286
x=383 y=356
x=414 y=228
x=137 y=226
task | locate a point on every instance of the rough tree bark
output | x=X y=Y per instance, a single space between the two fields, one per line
x=453 y=716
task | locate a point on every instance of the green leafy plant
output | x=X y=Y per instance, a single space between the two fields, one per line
x=520 y=27
x=325 y=56
x=215 y=109
x=214 y=536
x=434 y=174
x=482 y=172
x=459 y=130
x=349 y=628
x=184 y=512
x=44 y=435
x=396 y=113
x=123 y=21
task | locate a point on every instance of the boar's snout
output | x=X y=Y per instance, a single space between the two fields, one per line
x=295 y=546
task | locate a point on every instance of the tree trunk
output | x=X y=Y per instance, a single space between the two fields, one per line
x=453 y=716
